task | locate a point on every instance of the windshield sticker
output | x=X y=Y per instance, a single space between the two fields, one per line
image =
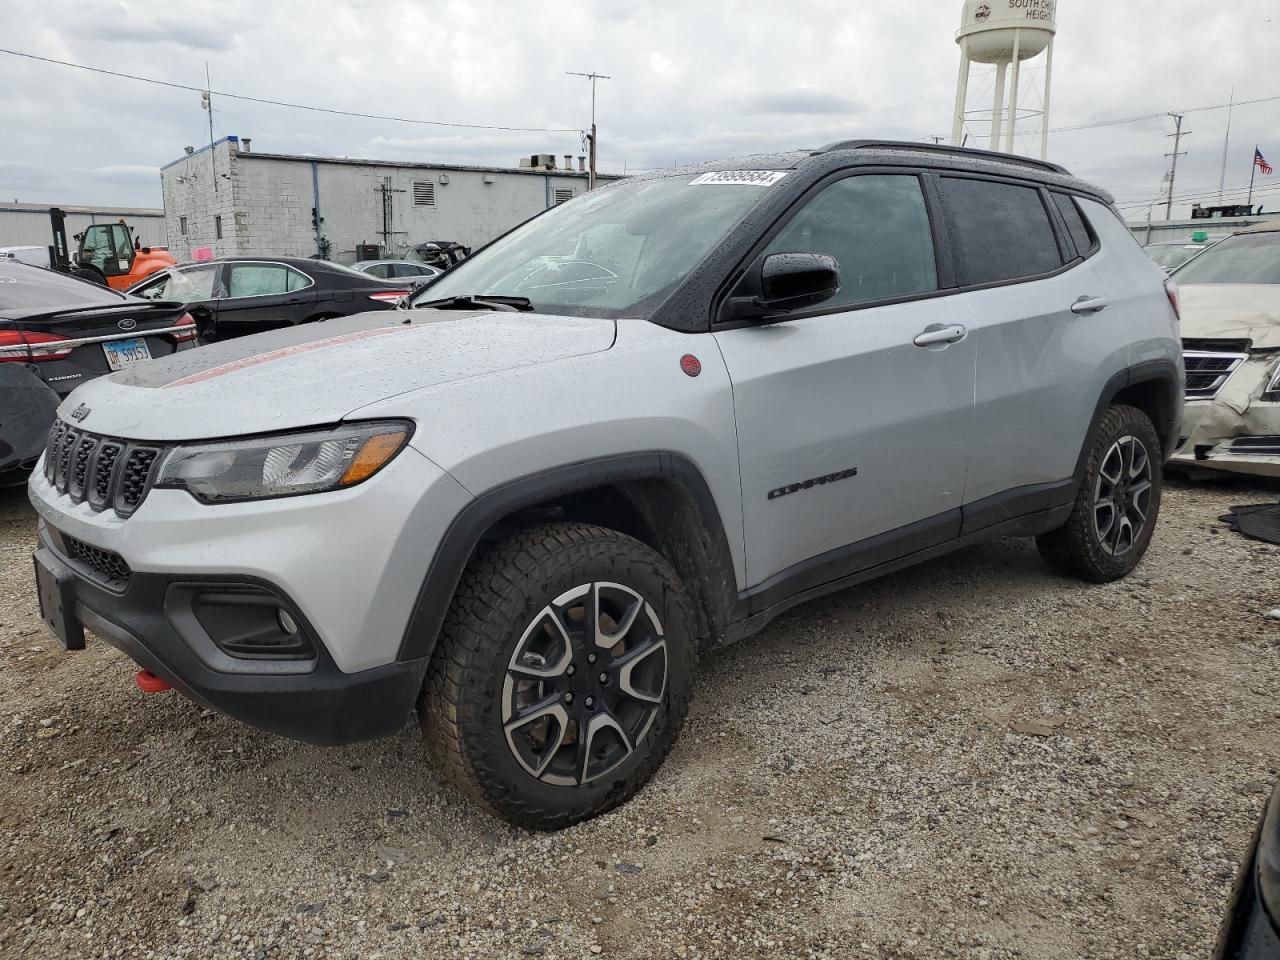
x=752 y=178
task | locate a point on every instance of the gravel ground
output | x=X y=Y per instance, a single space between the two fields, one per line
x=972 y=759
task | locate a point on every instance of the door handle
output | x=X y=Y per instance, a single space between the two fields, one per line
x=942 y=336
x=1089 y=305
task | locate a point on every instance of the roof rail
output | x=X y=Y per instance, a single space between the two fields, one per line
x=943 y=149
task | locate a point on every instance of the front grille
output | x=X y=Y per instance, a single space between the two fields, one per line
x=106 y=472
x=1256 y=447
x=110 y=565
x=1208 y=371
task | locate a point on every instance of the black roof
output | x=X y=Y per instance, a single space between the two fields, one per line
x=845 y=153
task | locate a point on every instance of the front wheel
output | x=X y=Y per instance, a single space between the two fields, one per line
x=562 y=675
x=1116 y=509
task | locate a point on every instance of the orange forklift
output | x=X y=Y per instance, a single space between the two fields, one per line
x=109 y=254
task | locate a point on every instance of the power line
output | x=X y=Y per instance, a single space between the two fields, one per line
x=283 y=103
x=1160 y=116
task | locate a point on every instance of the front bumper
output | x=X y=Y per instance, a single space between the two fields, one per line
x=151 y=619
x=1238 y=431
x=1218 y=437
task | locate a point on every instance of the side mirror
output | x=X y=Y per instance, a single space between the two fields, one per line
x=784 y=282
x=792 y=281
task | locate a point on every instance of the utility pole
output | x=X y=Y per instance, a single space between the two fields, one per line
x=206 y=101
x=1177 y=136
x=591 y=137
x=1226 y=146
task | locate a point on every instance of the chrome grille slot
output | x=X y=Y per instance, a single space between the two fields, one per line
x=1208 y=372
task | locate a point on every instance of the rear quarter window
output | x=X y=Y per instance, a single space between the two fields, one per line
x=1000 y=231
x=1076 y=226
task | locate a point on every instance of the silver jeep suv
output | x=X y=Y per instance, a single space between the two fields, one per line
x=637 y=427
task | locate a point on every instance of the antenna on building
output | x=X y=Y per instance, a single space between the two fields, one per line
x=591 y=137
x=1005 y=33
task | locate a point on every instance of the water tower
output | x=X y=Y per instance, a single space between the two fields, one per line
x=1005 y=33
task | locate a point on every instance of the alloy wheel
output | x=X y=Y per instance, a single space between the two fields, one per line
x=584 y=683
x=1122 y=496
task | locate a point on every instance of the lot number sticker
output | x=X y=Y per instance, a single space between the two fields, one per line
x=753 y=178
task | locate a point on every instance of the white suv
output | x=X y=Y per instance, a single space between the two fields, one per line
x=641 y=425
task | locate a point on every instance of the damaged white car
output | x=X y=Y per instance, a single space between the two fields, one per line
x=1230 y=299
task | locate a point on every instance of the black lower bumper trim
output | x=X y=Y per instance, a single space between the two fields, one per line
x=312 y=701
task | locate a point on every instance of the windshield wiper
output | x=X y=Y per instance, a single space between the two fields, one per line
x=482 y=302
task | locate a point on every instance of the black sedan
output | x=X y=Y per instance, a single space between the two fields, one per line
x=236 y=296
x=1252 y=928
x=56 y=332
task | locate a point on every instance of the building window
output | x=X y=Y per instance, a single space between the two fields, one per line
x=563 y=194
x=424 y=193
x=182 y=225
x=217 y=227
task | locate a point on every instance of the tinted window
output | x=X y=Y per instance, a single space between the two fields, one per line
x=1249 y=258
x=298 y=280
x=257 y=280
x=1001 y=231
x=1075 y=223
x=877 y=228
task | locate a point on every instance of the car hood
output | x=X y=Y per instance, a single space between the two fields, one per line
x=318 y=373
x=1232 y=312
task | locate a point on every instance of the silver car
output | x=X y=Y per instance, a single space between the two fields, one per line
x=397 y=269
x=1231 y=332
x=633 y=429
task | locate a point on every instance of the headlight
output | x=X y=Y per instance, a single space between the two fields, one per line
x=285 y=464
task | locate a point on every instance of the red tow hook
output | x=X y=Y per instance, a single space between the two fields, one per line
x=148 y=682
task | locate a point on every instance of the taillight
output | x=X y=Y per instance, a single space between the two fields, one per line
x=389 y=296
x=1171 y=289
x=187 y=335
x=26 y=347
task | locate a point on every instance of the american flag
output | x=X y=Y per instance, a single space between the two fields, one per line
x=1260 y=162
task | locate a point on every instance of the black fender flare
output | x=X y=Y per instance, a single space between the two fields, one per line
x=1161 y=372
x=488 y=509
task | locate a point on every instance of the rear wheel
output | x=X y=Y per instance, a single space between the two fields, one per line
x=1115 y=512
x=562 y=675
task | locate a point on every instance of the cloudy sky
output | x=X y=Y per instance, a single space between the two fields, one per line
x=692 y=80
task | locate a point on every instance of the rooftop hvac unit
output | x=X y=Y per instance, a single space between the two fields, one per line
x=545 y=160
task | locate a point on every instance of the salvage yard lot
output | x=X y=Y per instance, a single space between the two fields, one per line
x=974 y=758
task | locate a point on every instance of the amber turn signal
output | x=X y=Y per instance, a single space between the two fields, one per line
x=372 y=456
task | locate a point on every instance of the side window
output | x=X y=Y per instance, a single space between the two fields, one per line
x=192 y=285
x=297 y=280
x=382 y=270
x=1001 y=231
x=877 y=228
x=257 y=280
x=153 y=290
x=1080 y=235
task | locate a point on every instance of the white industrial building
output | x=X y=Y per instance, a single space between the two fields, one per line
x=28 y=224
x=240 y=203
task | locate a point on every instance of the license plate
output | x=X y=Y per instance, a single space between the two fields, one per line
x=123 y=353
x=57 y=607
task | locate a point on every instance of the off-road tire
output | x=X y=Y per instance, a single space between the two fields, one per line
x=500 y=594
x=1075 y=548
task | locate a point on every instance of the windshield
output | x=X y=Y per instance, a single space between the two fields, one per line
x=1249 y=258
x=1171 y=257
x=615 y=252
